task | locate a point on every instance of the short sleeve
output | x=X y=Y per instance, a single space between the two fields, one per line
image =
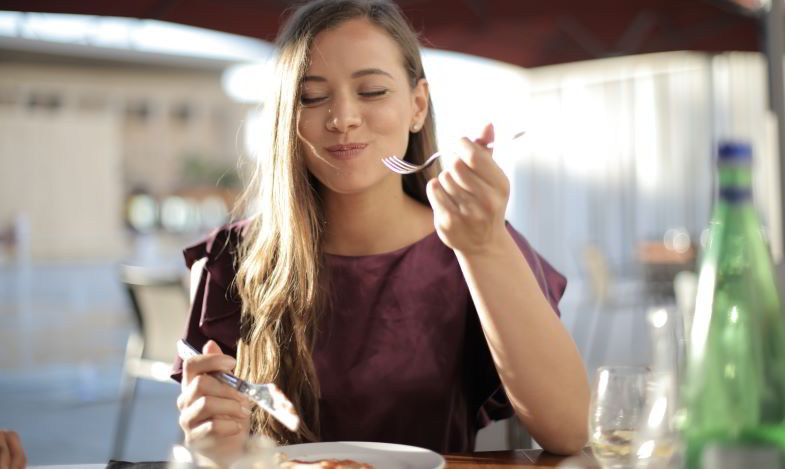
x=488 y=392
x=216 y=308
x=552 y=283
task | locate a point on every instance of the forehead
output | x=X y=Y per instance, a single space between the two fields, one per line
x=354 y=45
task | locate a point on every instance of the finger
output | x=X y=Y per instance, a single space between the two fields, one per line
x=438 y=198
x=206 y=385
x=214 y=429
x=211 y=347
x=5 y=456
x=208 y=407
x=488 y=199
x=467 y=179
x=480 y=161
x=201 y=364
x=486 y=136
x=16 y=452
x=462 y=198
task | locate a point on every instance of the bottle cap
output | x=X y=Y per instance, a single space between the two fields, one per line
x=734 y=151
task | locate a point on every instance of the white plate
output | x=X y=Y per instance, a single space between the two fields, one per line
x=379 y=455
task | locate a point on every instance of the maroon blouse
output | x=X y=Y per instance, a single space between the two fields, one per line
x=401 y=356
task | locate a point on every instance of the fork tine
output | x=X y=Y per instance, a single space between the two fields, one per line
x=398 y=165
x=407 y=170
x=399 y=170
x=406 y=166
x=412 y=166
x=401 y=162
x=390 y=164
x=401 y=166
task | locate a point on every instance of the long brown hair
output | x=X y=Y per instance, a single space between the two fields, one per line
x=281 y=278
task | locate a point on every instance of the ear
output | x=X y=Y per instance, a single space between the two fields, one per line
x=419 y=104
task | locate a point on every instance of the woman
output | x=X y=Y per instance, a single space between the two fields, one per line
x=340 y=291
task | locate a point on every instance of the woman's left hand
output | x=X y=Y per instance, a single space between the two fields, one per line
x=12 y=455
x=469 y=198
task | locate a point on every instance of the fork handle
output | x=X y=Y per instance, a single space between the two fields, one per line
x=186 y=350
x=229 y=379
x=278 y=406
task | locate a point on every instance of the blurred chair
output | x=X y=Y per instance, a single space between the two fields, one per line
x=15 y=241
x=599 y=273
x=7 y=242
x=159 y=302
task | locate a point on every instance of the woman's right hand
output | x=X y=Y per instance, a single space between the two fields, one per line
x=215 y=418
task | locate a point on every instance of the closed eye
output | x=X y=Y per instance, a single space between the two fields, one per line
x=309 y=101
x=373 y=94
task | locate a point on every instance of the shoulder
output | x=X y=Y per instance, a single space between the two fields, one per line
x=552 y=282
x=218 y=251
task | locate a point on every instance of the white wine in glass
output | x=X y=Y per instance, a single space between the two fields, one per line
x=617 y=407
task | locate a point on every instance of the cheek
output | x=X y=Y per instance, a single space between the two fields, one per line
x=307 y=133
x=306 y=125
x=392 y=123
x=388 y=119
x=313 y=163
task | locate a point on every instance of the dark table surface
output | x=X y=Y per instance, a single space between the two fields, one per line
x=524 y=458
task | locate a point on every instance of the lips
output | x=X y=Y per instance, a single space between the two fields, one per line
x=346 y=150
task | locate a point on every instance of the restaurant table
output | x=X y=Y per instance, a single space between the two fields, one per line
x=661 y=264
x=523 y=458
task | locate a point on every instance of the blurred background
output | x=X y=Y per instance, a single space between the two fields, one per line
x=122 y=123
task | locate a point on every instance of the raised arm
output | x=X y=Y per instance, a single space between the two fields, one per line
x=536 y=359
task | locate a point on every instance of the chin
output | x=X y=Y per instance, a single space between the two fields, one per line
x=351 y=183
x=348 y=186
x=347 y=189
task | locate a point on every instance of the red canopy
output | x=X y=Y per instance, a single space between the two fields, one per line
x=524 y=32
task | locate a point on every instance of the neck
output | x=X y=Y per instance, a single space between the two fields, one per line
x=375 y=221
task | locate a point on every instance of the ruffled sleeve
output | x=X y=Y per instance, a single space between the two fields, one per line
x=215 y=311
x=489 y=394
x=552 y=283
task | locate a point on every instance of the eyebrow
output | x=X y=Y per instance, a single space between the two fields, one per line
x=357 y=74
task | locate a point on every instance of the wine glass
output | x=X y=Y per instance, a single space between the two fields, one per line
x=180 y=457
x=658 y=444
x=616 y=413
x=258 y=452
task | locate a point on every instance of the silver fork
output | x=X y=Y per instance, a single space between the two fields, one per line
x=266 y=396
x=402 y=166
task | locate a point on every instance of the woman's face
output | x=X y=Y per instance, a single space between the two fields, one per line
x=357 y=106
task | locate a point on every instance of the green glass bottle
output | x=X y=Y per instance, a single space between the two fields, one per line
x=734 y=386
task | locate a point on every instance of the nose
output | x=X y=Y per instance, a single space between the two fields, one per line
x=343 y=115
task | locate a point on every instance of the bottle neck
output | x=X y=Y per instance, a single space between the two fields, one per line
x=735 y=181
